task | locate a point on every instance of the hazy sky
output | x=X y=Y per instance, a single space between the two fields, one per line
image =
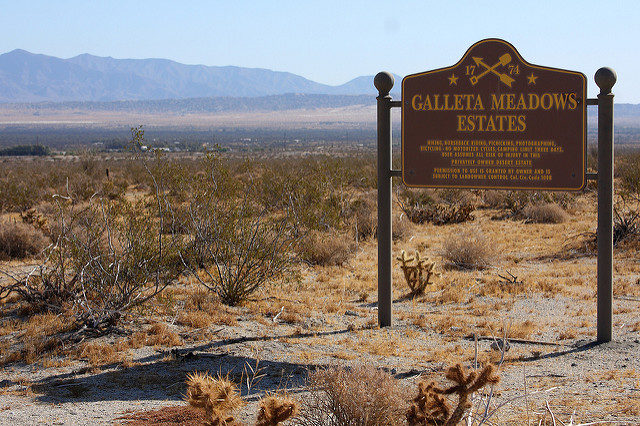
x=334 y=41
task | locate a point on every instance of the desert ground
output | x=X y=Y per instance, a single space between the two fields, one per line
x=520 y=268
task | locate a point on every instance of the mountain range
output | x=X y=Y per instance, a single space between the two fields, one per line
x=29 y=77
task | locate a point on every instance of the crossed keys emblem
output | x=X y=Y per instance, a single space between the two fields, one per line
x=503 y=77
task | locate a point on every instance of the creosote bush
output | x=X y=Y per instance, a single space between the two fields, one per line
x=237 y=246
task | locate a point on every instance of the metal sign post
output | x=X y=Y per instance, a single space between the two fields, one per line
x=497 y=124
x=605 y=79
x=384 y=82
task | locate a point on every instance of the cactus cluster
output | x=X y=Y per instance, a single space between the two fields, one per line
x=417 y=272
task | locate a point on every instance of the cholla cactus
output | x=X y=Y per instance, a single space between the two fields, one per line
x=35 y=218
x=430 y=407
x=275 y=409
x=218 y=396
x=418 y=276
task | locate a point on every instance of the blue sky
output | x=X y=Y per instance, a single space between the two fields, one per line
x=333 y=41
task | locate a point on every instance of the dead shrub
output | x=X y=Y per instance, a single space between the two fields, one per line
x=108 y=258
x=426 y=207
x=362 y=395
x=364 y=213
x=544 y=213
x=468 y=252
x=400 y=227
x=494 y=199
x=626 y=218
x=325 y=249
x=439 y=214
x=516 y=204
x=19 y=240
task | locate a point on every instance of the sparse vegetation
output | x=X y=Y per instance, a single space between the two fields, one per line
x=316 y=306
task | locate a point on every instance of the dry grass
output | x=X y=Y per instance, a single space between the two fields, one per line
x=46 y=325
x=160 y=335
x=98 y=355
x=522 y=330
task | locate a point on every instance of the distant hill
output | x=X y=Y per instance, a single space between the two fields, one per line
x=29 y=77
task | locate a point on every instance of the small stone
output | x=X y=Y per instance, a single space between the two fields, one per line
x=351 y=313
x=497 y=345
x=574 y=364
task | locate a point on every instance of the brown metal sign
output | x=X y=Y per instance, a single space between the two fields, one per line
x=494 y=121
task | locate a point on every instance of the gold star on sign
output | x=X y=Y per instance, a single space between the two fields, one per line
x=453 y=80
x=532 y=78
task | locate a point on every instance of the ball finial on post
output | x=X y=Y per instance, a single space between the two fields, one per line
x=384 y=82
x=605 y=79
